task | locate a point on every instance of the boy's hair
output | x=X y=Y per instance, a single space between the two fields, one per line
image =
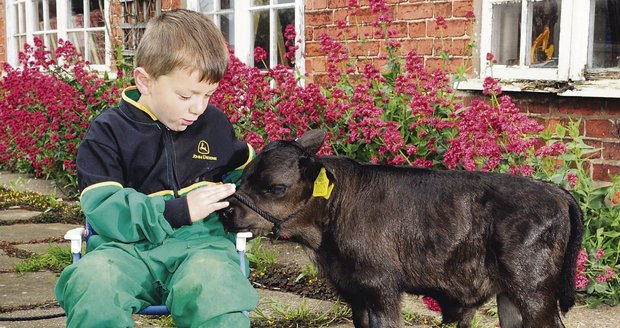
x=183 y=39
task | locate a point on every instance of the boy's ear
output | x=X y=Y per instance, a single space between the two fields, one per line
x=142 y=80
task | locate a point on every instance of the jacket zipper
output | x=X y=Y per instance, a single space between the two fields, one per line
x=171 y=153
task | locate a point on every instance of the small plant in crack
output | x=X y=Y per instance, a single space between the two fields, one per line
x=260 y=258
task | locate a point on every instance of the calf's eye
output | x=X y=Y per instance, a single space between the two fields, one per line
x=275 y=190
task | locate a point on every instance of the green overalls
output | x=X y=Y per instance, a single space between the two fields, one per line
x=134 y=174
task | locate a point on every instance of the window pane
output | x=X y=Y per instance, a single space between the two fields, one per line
x=285 y=17
x=96 y=48
x=260 y=2
x=97 y=19
x=284 y=1
x=227 y=4
x=606 y=35
x=39 y=24
x=21 y=42
x=77 y=38
x=545 y=33
x=261 y=35
x=51 y=6
x=506 y=27
x=227 y=27
x=51 y=43
x=77 y=14
x=206 y=6
x=21 y=18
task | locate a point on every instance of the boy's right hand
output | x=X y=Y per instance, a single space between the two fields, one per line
x=206 y=200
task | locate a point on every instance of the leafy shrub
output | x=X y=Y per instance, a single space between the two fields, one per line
x=46 y=105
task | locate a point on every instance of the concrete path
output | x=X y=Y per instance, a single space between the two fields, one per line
x=31 y=294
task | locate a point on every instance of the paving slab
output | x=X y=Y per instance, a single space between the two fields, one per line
x=24 y=233
x=6 y=262
x=16 y=215
x=47 y=323
x=27 y=182
x=26 y=288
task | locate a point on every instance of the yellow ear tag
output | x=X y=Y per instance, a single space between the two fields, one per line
x=322 y=187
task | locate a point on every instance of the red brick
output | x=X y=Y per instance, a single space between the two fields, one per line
x=370 y=48
x=461 y=8
x=581 y=107
x=611 y=151
x=320 y=18
x=537 y=108
x=442 y=9
x=612 y=107
x=454 y=28
x=399 y=30
x=460 y=47
x=413 y=12
x=597 y=152
x=417 y=29
x=603 y=128
x=420 y=46
x=315 y=4
x=601 y=171
x=338 y=4
x=313 y=49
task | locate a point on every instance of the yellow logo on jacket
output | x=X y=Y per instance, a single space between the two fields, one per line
x=204 y=150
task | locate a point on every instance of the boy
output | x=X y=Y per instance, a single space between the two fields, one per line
x=150 y=173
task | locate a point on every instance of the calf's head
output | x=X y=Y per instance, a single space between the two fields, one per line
x=276 y=192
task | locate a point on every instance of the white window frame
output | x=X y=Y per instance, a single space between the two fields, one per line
x=574 y=43
x=62 y=22
x=244 y=39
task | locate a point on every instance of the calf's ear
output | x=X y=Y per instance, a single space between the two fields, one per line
x=312 y=140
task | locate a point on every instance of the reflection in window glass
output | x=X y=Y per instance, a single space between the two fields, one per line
x=52 y=43
x=261 y=36
x=96 y=47
x=40 y=21
x=543 y=51
x=77 y=14
x=260 y=2
x=506 y=26
x=228 y=28
x=605 y=40
x=283 y=17
x=227 y=4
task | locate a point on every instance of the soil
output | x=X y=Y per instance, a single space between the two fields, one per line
x=285 y=278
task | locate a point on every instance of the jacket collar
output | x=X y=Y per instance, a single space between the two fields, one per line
x=130 y=96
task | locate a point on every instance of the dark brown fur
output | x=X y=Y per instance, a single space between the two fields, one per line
x=459 y=237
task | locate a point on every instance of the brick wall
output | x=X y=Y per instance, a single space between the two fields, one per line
x=415 y=22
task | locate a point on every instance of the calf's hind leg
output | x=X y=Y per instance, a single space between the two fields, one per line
x=509 y=314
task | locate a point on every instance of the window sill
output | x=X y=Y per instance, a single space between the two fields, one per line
x=589 y=89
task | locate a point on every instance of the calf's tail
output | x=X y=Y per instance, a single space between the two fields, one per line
x=567 y=287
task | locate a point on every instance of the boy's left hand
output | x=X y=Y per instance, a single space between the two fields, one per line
x=204 y=201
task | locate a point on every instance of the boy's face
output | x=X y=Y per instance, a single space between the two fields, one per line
x=177 y=98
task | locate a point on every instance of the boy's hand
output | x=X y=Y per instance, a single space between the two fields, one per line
x=206 y=200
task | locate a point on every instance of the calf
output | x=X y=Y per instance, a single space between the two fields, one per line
x=376 y=231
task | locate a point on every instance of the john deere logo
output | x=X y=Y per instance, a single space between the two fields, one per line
x=203 y=152
x=203 y=148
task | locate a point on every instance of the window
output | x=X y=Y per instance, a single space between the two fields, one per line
x=80 y=21
x=557 y=40
x=247 y=24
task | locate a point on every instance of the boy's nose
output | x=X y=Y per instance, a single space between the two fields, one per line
x=197 y=108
